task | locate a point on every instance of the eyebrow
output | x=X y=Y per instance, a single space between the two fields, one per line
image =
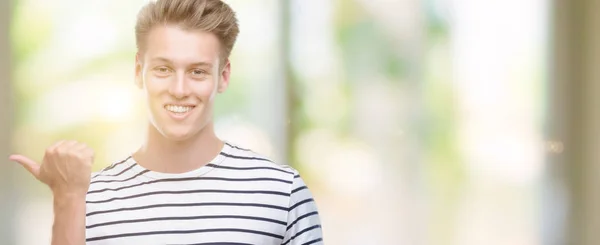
x=200 y=63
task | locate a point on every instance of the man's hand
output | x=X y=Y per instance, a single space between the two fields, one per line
x=66 y=168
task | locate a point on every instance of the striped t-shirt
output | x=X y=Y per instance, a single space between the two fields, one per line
x=240 y=197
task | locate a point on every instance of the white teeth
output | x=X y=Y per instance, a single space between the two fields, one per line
x=178 y=109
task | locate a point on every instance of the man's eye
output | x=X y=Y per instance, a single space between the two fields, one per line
x=162 y=69
x=197 y=72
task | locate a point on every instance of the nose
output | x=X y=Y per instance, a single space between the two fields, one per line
x=179 y=87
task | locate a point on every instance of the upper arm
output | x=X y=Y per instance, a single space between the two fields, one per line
x=303 y=224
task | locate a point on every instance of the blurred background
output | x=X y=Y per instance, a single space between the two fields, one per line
x=434 y=122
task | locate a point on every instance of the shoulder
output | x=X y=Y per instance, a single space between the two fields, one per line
x=115 y=169
x=246 y=158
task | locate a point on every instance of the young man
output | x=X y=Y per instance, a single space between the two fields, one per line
x=184 y=185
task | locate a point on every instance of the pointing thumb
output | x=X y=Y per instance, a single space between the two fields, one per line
x=30 y=165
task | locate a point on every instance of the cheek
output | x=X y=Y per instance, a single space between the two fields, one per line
x=153 y=85
x=152 y=91
x=206 y=90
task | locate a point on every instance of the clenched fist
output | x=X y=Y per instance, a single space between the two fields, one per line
x=66 y=168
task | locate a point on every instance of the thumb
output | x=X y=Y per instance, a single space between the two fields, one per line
x=30 y=165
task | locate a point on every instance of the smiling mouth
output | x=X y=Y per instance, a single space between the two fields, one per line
x=178 y=108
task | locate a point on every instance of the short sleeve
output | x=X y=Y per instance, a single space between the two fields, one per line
x=303 y=222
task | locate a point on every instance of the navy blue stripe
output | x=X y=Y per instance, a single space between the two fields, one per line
x=128 y=179
x=191 y=191
x=190 y=179
x=244 y=157
x=91 y=239
x=300 y=203
x=187 y=218
x=117 y=164
x=299 y=189
x=302 y=232
x=300 y=218
x=313 y=241
x=125 y=170
x=112 y=166
x=188 y=205
x=237 y=147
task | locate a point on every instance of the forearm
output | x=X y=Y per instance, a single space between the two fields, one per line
x=69 y=220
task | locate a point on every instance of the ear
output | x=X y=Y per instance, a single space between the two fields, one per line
x=138 y=71
x=224 y=78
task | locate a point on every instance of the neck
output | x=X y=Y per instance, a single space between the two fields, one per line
x=161 y=154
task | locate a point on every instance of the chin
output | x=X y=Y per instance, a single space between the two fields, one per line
x=177 y=131
x=178 y=135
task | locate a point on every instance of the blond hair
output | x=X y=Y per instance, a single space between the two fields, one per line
x=212 y=16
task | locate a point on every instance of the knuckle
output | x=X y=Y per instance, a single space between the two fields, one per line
x=50 y=151
x=81 y=157
x=60 y=151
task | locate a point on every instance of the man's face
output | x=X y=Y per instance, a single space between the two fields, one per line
x=180 y=75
